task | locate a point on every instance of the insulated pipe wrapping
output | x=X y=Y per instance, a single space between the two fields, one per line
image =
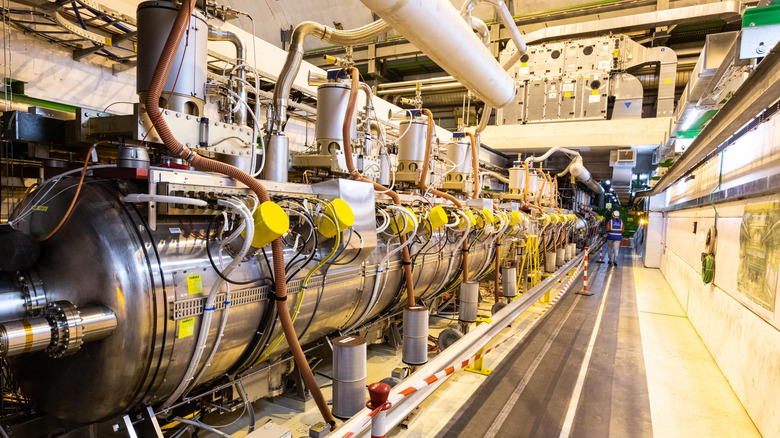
x=346 y=129
x=349 y=375
x=216 y=34
x=436 y=28
x=469 y=301
x=415 y=343
x=178 y=149
x=295 y=56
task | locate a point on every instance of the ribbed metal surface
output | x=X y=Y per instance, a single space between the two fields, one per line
x=509 y=281
x=349 y=375
x=415 y=343
x=549 y=261
x=469 y=301
x=560 y=257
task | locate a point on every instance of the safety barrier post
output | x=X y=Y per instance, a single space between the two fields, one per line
x=378 y=393
x=584 y=290
x=479 y=362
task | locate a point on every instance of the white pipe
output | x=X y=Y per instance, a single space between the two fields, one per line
x=495 y=175
x=550 y=152
x=145 y=197
x=436 y=28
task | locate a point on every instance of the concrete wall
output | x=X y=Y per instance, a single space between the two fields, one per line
x=743 y=337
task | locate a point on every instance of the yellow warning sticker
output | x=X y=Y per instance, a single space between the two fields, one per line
x=616 y=53
x=186 y=327
x=668 y=81
x=594 y=92
x=567 y=94
x=523 y=64
x=194 y=284
x=41 y=208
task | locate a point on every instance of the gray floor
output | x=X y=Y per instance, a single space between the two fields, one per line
x=530 y=392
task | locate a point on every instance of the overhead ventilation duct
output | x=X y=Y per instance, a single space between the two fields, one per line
x=436 y=28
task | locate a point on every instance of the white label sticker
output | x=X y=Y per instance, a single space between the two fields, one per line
x=523 y=70
x=345 y=340
x=568 y=87
x=175 y=230
x=593 y=98
x=603 y=65
x=553 y=95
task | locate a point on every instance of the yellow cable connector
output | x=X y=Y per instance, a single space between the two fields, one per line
x=437 y=217
x=399 y=220
x=270 y=222
x=468 y=214
x=340 y=210
x=515 y=218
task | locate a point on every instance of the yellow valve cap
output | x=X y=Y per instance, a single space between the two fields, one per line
x=485 y=217
x=343 y=214
x=270 y=222
x=515 y=218
x=400 y=220
x=438 y=217
x=470 y=215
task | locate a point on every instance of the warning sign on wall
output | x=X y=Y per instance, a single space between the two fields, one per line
x=759 y=253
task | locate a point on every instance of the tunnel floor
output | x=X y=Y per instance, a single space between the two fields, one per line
x=644 y=371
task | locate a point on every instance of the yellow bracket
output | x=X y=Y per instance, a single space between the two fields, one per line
x=479 y=364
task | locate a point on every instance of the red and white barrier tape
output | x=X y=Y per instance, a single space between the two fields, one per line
x=451 y=369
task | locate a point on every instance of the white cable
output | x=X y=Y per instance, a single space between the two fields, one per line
x=380 y=268
x=210 y=305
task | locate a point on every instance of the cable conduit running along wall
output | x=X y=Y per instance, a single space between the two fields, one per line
x=177 y=149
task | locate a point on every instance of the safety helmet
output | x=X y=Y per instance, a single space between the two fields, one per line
x=616 y=214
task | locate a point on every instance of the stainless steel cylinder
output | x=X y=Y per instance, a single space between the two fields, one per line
x=568 y=250
x=509 y=281
x=384 y=169
x=411 y=146
x=516 y=179
x=332 y=102
x=349 y=375
x=549 y=261
x=155 y=19
x=98 y=322
x=132 y=157
x=560 y=257
x=415 y=341
x=458 y=153
x=469 y=301
x=24 y=336
x=278 y=158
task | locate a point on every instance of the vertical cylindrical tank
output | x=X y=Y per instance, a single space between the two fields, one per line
x=188 y=71
x=411 y=143
x=469 y=301
x=560 y=257
x=415 y=341
x=349 y=375
x=332 y=102
x=509 y=281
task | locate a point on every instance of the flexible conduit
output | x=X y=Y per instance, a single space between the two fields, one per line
x=178 y=149
x=346 y=131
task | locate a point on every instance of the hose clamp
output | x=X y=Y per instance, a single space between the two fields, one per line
x=190 y=154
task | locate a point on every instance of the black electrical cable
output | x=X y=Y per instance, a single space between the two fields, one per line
x=216 y=269
x=356 y=254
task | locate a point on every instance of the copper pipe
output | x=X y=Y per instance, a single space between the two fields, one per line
x=346 y=130
x=178 y=149
x=423 y=186
x=541 y=191
x=474 y=163
x=525 y=189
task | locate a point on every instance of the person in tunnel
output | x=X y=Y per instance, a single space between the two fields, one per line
x=614 y=237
